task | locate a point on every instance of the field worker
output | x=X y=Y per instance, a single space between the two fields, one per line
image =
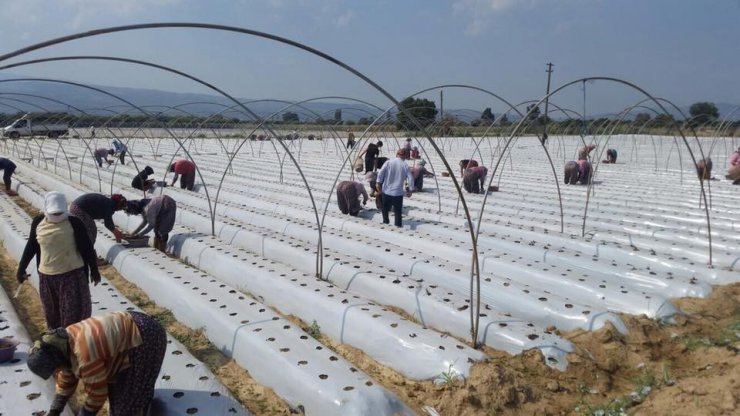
x=158 y=214
x=379 y=162
x=407 y=145
x=102 y=155
x=8 y=168
x=475 y=179
x=350 y=140
x=371 y=152
x=348 y=197
x=141 y=181
x=391 y=186
x=704 y=169
x=571 y=173
x=733 y=167
x=121 y=150
x=372 y=178
x=186 y=169
x=734 y=159
x=415 y=152
x=611 y=156
x=584 y=151
x=419 y=172
x=584 y=171
x=117 y=356
x=65 y=258
x=467 y=163
x=92 y=206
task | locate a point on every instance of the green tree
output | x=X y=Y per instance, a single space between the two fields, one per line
x=487 y=115
x=641 y=119
x=290 y=117
x=703 y=112
x=423 y=110
x=535 y=112
x=662 y=120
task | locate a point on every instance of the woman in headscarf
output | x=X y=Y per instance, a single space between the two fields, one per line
x=348 y=197
x=158 y=214
x=584 y=171
x=65 y=259
x=92 y=206
x=419 y=172
x=704 y=169
x=185 y=170
x=141 y=181
x=571 y=172
x=611 y=156
x=733 y=167
x=584 y=151
x=467 y=163
x=475 y=179
x=117 y=356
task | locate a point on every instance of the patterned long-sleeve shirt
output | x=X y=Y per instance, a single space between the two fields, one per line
x=98 y=352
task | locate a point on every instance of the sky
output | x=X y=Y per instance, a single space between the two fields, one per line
x=684 y=51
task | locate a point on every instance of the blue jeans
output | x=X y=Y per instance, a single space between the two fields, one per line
x=397 y=203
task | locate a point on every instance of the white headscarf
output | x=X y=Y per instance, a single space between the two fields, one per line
x=55 y=207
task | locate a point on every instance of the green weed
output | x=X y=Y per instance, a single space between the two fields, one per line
x=314 y=330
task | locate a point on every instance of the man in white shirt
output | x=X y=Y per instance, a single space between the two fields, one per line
x=390 y=184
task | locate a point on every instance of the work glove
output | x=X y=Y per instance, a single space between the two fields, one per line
x=57 y=405
x=21 y=276
x=118 y=234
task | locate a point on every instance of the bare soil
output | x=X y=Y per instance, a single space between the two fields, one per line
x=690 y=367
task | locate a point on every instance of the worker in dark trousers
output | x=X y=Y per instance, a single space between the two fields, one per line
x=8 y=168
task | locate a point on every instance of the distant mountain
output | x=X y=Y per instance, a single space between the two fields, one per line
x=25 y=95
x=150 y=100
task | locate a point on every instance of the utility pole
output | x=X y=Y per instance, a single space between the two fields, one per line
x=441 y=105
x=547 y=102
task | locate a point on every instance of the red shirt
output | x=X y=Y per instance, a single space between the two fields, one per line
x=183 y=167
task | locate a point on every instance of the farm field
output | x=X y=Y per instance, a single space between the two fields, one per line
x=615 y=311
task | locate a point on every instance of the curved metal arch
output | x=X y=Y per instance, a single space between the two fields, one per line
x=507 y=151
x=163 y=110
x=113 y=96
x=726 y=122
x=659 y=104
x=473 y=234
x=598 y=160
x=15 y=145
x=86 y=142
x=208 y=85
x=645 y=125
x=41 y=155
x=320 y=224
x=148 y=64
x=59 y=144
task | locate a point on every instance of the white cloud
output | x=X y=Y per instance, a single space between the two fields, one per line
x=344 y=19
x=481 y=12
x=22 y=14
x=84 y=12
